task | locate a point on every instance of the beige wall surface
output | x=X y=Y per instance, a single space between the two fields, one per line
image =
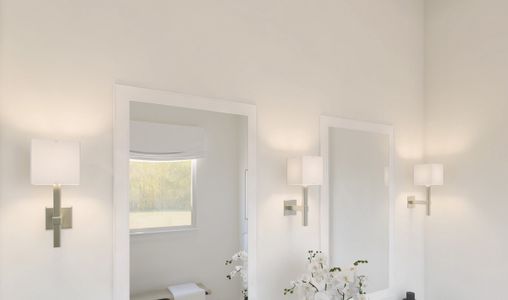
x=295 y=60
x=466 y=106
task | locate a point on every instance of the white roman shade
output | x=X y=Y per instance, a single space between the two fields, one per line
x=165 y=142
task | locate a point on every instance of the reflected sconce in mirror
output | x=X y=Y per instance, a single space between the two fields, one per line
x=55 y=163
x=427 y=175
x=303 y=171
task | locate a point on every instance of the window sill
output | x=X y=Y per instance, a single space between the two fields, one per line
x=147 y=231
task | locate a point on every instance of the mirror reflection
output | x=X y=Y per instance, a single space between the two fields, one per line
x=187 y=203
x=359 y=190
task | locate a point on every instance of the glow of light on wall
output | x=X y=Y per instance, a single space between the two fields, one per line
x=38 y=115
x=406 y=148
x=453 y=207
x=291 y=141
x=409 y=152
x=451 y=141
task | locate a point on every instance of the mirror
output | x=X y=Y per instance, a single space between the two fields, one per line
x=189 y=199
x=358 y=195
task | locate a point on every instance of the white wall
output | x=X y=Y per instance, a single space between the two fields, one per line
x=295 y=60
x=158 y=260
x=467 y=101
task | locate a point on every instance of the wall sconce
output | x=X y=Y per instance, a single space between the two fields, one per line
x=55 y=163
x=427 y=175
x=304 y=171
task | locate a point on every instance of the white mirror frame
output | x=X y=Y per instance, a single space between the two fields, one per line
x=327 y=122
x=123 y=96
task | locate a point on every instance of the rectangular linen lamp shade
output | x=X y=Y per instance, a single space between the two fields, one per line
x=428 y=174
x=55 y=163
x=305 y=170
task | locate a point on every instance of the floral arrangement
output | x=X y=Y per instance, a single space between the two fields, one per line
x=323 y=282
x=239 y=263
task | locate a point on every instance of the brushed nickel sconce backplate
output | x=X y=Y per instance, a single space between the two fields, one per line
x=412 y=202
x=66 y=218
x=290 y=207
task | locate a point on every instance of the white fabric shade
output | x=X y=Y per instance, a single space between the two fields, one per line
x=54 y=162
x=429 y=174
x=165 y=142
x=305 y=170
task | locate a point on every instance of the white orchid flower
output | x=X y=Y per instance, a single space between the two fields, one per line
x=315 y=267
x=321 y=259
x=347 y=276
x=305 y=278
x=324 y=283
x=242 y=255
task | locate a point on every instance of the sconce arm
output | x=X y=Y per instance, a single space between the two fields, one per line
x=291 y=207
x=412 y=202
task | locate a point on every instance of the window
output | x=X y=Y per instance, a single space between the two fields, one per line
x=161 y=194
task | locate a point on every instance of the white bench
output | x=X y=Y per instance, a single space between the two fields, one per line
x=164 y=294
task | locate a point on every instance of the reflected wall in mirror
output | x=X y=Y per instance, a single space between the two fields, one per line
x=186 y=195
x=189 y=188
x=356 y=200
